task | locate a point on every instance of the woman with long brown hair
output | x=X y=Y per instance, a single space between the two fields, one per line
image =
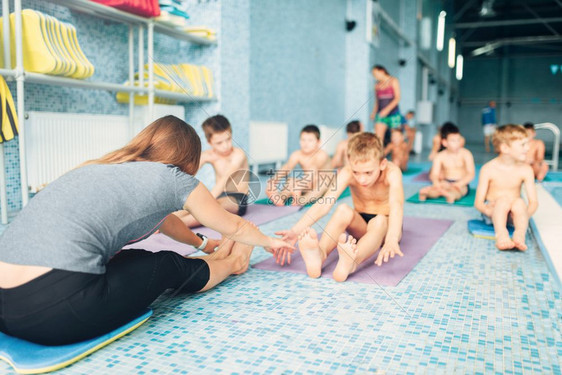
x=63 y=276
x=387 y=96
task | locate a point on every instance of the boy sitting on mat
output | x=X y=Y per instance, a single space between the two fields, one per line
x=535 y=155
x=452 y=169
x=229 y=163
x=437 y=145
x=376 y=218
x=398 y=149
x=316 y=170
x=340 y=156
x=498 y=195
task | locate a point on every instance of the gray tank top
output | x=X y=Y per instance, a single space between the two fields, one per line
x=78 y=222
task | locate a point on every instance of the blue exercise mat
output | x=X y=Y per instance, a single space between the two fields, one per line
x=478 y=228
x=29 y=358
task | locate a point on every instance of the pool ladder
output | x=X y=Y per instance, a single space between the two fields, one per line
x=556 y=149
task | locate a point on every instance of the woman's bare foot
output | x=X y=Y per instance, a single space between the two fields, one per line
x=503 y=242
x=423 y=195
x=347 y=251
x=311 y=254
x=519 y=240
x=450 y=197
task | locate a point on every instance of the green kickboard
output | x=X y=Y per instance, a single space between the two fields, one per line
x=467 y=201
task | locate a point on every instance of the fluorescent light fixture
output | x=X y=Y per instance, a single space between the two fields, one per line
x=452 y=47
x=441 y=30
x=460 y=62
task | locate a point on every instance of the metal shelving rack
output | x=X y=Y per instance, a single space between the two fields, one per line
x=99 y=11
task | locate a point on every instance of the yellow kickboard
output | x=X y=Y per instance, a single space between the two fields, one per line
x=38 y=57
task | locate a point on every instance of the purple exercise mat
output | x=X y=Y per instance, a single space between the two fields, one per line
x=422 y=177
x=257 y=213
x=420 y=234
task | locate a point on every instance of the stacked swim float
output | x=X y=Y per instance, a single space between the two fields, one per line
x=201 y=31
x=49 y=46
x=174 y=14
x=193 y=80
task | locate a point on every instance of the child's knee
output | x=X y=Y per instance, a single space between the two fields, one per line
x=519 y=207
x=344 y=212
x=503 y=204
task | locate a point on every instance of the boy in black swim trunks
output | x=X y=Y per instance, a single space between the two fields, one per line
x=230 y=165
x=376 y=218
x=453 y=168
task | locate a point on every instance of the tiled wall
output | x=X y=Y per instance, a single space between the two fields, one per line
x=298 y=63
x=105 y=44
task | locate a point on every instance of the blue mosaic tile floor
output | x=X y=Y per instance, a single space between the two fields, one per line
x=465 y=308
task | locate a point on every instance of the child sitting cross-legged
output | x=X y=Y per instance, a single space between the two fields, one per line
x=453 y=168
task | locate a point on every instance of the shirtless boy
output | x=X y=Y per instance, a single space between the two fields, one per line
x=340 y=156
x=535 y=156
x=452 y=169
x=398 y=149
x=230 y=165
x=374 y=220
x=498 y=195
x=316 y=170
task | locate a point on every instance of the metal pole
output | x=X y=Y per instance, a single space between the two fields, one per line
x=150 y=71
x=3 y=192
x=425 y=83
x=141 y=57
x=131 y=81
x=8 y=65
x=21 y=108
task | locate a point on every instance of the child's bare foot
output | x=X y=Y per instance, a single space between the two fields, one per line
x=423 y=195
x=241 y=252
x=347 y=251
x=503 y=242
x=519 y=240
x=450 y=198
x=311 y=254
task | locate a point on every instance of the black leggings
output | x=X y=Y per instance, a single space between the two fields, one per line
x=64 y=307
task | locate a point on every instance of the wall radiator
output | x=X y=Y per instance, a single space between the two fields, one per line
x=268 y=143
x=58 y=142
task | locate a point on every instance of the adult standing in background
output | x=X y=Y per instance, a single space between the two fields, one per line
x=489 y=123
x=387 y=96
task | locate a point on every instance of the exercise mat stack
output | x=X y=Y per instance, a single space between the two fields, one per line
x=49 y=46
x=193 y=80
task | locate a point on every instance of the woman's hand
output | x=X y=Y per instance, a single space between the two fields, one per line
x=277 y=245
